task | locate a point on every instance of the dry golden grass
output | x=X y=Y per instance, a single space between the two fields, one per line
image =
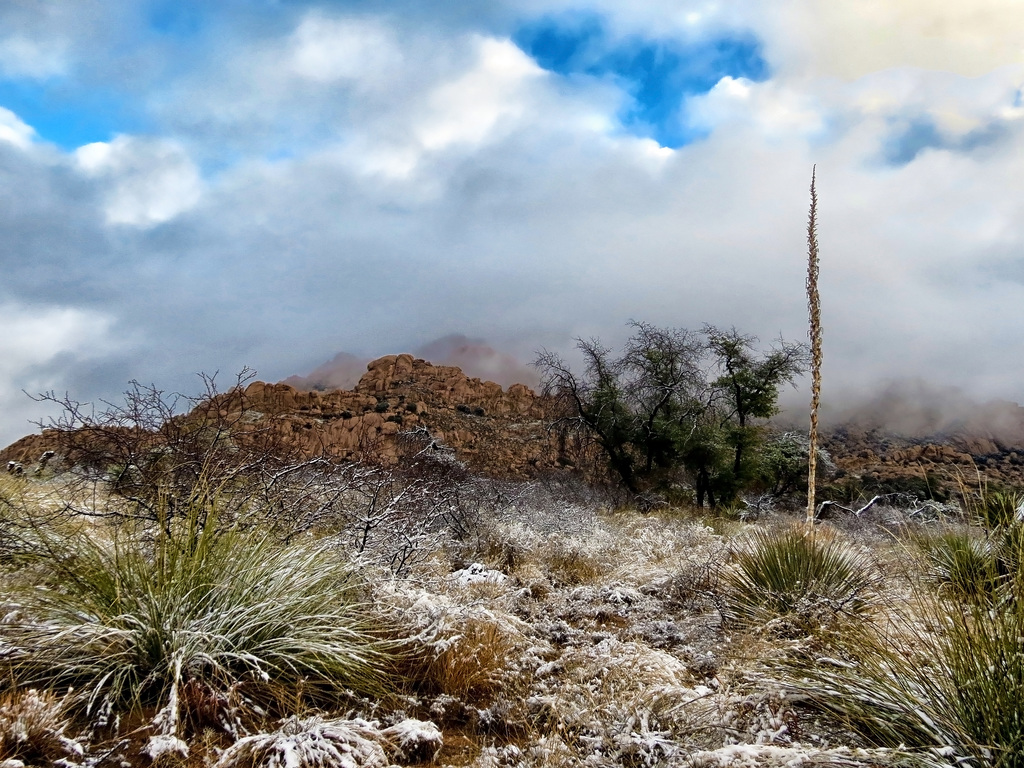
x=467 y=650
x=33 y=728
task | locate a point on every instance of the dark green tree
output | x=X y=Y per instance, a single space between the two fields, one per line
x=674 y=403
x=747 y=392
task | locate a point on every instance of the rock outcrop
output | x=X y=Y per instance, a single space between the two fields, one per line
x=494 y=430
x=505 y=432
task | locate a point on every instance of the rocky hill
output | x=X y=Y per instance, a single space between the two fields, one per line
x=505 y=432
x=496 y=431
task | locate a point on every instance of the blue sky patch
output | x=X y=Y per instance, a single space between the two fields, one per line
x=66 y=115
x=658 y=74
x=177 y=18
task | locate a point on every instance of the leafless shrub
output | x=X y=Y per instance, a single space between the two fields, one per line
x=157 y=453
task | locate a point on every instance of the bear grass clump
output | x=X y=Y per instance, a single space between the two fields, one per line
x=942 y=679
x=803 y=579
x=129 y=621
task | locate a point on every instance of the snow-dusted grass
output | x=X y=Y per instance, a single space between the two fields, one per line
x=807 y=579
x=136 y=621
x=466 y=650
x=551 y=636
x=34 y=729
x=943 y=677
x=320 y=743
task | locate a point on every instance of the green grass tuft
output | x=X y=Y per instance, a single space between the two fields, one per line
x=961 y=564
x=127 y=623
x=809 y=578
x=996 y=510
x=950 y=689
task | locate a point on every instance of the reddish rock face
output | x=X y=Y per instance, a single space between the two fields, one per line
x=494 y=431
x=505 y=432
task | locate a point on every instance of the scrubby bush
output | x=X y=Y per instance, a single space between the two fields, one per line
x=981 y=565
x=961 y=564
x=33 y=728
x=674 y=404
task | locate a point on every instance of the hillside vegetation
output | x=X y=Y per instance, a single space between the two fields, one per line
x=187 y=583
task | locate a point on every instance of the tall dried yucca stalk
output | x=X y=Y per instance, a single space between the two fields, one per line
x=814 y=315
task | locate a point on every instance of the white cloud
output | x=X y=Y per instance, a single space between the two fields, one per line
x=326 y=49
x=775 y=109
x=470 y=108
x=33 y=339
x=852 y=38
x=23 y=57
x=14 y=131
x=148 y=181
x=393 y=180
x=33 y=336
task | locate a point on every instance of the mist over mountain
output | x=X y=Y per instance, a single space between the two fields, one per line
x=914 y=408
x=474 y=356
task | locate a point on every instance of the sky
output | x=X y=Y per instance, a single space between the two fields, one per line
x=193 y=186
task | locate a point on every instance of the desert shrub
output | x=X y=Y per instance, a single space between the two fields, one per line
x=310 y=743
x=950 y=689
x=996 y=510
x=319 y=743
x=808 y=578
x=127 y=623
x=620 y=703
x=451 y=648
x=986 y=565
x=783 y=464
x=383 y=406
x=33 y=727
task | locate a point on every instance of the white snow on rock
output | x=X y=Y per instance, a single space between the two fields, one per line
x=478 y=573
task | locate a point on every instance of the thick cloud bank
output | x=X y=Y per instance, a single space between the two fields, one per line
x=197 y=187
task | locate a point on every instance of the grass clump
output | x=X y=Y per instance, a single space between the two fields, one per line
x=980 y=565
x=807 y=579
x=312 y=743
x=946 y=680
x=949 y=689
x=997 y=510
x=33 y=728
x=132 y=623
x=962 y=565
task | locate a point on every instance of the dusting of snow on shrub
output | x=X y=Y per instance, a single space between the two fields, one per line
x=33 y=726
x=414 y=741
x=310 y=743
x=164 y=744
x=477 y=573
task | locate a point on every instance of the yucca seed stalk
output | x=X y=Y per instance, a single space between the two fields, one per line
x=814 y=315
